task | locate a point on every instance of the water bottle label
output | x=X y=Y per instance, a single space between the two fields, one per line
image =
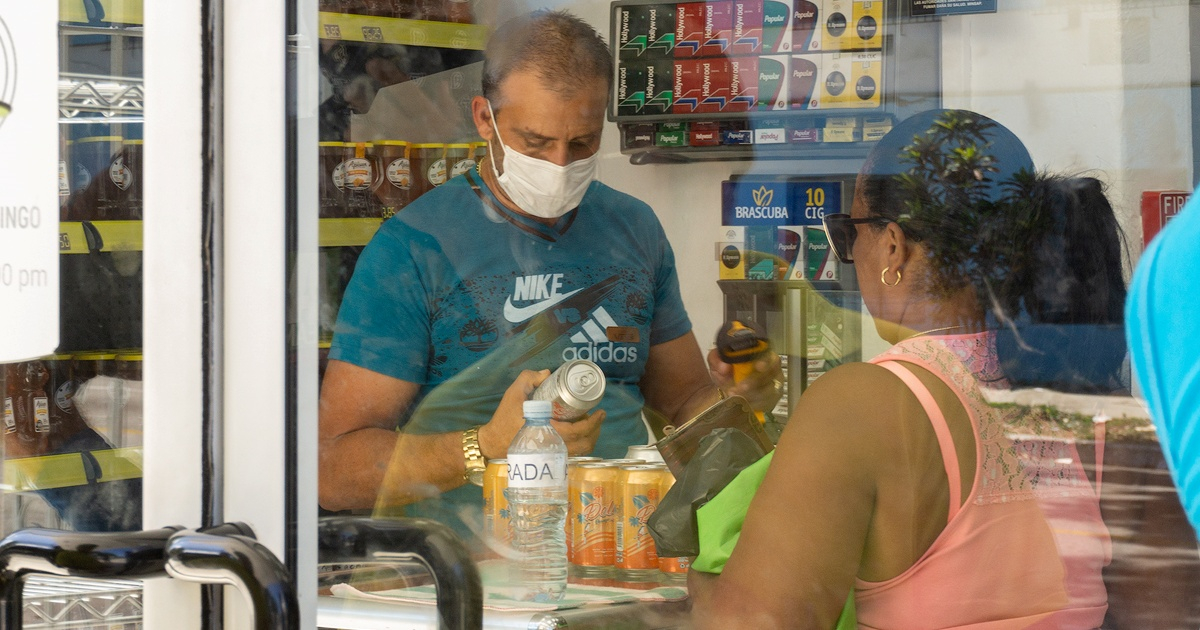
x=537 y=470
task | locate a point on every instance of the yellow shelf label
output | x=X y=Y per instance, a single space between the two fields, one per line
x=116 y=236
x=126 y=236
x=115 y=11
x=381 y=30
x=347 y=232
x=66 y=470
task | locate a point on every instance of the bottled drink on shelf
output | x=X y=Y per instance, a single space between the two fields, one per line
x=332 y=182
x=131 y=153
x=359 y=176
x=432 y=10
x=12 y=394
x=459 y=159
x=31 y=410
x=428 y=167
x=537 y=499
x=394 y=188
x=459 y=11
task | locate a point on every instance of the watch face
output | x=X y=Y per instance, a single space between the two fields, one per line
x=475 y=476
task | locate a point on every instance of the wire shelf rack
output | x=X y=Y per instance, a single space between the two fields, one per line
x=79 y=604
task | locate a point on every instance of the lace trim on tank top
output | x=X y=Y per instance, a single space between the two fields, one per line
x=1011 y=467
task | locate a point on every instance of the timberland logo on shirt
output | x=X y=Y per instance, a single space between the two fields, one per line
x=536 y=293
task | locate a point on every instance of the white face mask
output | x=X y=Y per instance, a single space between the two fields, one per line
x=540 y=188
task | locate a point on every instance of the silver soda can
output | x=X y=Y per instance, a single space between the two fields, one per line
x=573 y=389
x=647 y=453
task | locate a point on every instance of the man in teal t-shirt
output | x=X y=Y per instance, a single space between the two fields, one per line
x=464 y=296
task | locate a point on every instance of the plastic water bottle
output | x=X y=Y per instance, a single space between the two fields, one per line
x=537 y=500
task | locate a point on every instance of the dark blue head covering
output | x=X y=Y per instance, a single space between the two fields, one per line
x=1043 y=253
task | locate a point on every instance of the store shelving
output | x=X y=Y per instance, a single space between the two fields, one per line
x=47 y=472
x=105 y=95
x=107 y=12
x=83 y=237
x=685 y=155
x=346 y=232
x=383 y=30
x=59 y=603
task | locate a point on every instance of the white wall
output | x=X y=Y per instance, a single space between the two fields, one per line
x=1095 y=86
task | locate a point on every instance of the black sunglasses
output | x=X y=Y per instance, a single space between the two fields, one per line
x=841 y=231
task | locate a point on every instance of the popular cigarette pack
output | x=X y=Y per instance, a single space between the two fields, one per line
x=671 y=134
x=777 y=26
x=804 y=81
x=806 y=249
x=773 y=82
x=806 y=26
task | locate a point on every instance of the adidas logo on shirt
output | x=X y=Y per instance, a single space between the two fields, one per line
x=592 y=342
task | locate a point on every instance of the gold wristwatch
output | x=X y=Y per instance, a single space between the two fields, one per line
x=476 y=462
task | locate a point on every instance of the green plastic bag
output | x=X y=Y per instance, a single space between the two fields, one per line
x=719 y=525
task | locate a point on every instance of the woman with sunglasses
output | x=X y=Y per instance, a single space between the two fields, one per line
x=895 y=495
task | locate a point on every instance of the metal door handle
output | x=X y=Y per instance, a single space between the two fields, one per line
x=75 y=554
x=229 y=554
x=459 y=588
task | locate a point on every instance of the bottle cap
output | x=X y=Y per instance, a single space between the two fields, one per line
x=537 y=408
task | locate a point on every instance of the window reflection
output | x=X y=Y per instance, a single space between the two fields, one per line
x=1043 y=334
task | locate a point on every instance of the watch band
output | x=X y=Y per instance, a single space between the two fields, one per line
x=473 y=455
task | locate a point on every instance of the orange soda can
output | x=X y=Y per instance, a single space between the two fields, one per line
x=640 y=487
x=673 y=568
x=497 y=521
x=572 y=462
x=593 y=515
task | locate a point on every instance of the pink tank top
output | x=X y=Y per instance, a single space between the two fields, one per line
x=1026 y=548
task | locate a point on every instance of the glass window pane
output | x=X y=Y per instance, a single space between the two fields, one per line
x=929 y=213
x=73 y=418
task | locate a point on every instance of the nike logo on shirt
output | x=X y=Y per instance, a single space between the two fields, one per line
x=516 y=315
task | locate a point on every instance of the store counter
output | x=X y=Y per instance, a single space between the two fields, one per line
x=338 y=613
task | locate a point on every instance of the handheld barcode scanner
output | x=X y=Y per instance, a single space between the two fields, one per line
x=740 y=344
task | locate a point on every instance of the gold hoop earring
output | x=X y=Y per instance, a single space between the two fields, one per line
x=883 y=277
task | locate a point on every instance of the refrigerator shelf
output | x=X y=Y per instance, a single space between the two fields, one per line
x=60 y=603
x=689 y=154
x=105 y=95
x=48 y=472
x=82 y=237
x=114 y=13
x=346 y=232
x=381 y=30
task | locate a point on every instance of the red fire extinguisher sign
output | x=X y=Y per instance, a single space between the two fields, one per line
x=1158 y=207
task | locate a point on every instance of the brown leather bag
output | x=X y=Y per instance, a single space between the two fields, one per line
x=680 y=445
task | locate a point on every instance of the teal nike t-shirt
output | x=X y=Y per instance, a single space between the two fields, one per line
x=458 y=294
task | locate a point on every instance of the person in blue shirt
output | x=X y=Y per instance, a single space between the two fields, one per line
x=463 y=302
x=1161 y=319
